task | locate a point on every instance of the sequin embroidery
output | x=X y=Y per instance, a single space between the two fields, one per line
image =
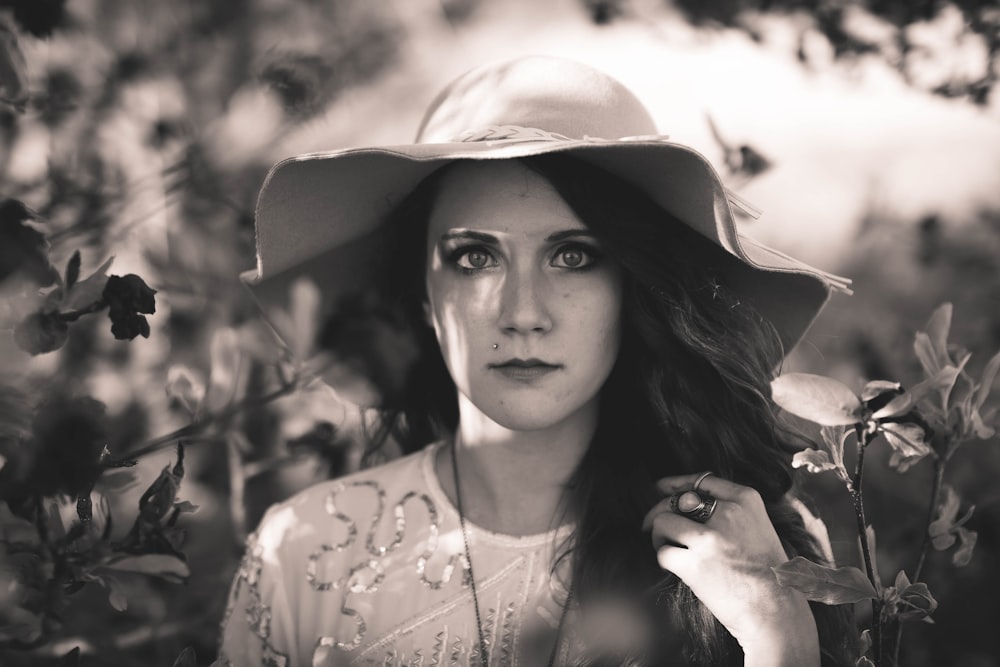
x=352 y=582
x=258 y=614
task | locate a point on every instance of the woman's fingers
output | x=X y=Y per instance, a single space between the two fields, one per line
x=722 y=489
x=673 y=529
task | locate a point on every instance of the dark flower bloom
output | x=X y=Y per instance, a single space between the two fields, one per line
x=62 y=93
x=127 y=296
x=302 y=82
x=23 y=249
x=41 y=332
x=126 y=325
x=70 y=434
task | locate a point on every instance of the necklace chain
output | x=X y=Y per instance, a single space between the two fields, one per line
x=483 y=655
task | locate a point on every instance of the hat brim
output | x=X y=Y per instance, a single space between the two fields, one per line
x=321 y=216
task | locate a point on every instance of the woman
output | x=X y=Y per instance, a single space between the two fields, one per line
x=592 y=469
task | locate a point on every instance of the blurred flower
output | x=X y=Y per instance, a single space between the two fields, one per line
x=62 y=92
x=303 y=82
x=41 y=332
x=127 y=296
x=947 y=526
x=185 y=387
x=69 y=436
x=23 y=249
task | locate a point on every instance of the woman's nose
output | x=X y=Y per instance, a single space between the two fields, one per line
x=523 y=307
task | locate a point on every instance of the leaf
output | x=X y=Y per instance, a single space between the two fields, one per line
x=910 y=601
x=226 y=356
x=931 y=344
x=980 y=428
x=164 y=566
x=825 y=584
x=187 y=658
x=986 y=382
x=946 y=524
x=866 y=641
x=186 y=387
x=872 y=547
x=72 y=270
x=929 y=358
x=819 y=399
x=900 y=404
x=908 y=442
x=813 y=460
x=876 y=388
x=185 y=506
x=41 y=332
x=88 y=290
x=967 y=542
x=305 y=304
x=117 y=600
x=833 y=438
x=116 y=592
x=71 y=659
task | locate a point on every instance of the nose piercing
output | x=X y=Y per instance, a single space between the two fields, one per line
x=496 y=346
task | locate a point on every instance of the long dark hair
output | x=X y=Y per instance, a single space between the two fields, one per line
x=689 y=392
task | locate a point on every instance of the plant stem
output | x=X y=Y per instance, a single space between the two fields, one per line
x=199 y=425
x=74 y=315
x=925 y=546
x=857 y=496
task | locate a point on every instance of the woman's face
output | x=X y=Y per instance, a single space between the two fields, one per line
x=509 y=264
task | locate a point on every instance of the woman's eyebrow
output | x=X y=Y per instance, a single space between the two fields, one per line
x=469 y=234
x=569 y=233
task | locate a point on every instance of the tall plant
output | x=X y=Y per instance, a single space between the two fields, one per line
x=930 y=420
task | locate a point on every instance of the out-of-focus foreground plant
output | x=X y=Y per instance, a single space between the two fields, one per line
x=58 y=477
x=931 y=419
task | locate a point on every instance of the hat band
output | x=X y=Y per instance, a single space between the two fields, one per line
x=510 y=133
x=518 y=133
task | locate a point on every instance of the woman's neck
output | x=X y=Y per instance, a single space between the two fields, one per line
x=513 y=482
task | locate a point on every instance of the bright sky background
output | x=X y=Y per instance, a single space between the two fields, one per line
x=846 y=138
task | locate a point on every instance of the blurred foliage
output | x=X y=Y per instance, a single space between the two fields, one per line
x=890 y=29
x=134 y=135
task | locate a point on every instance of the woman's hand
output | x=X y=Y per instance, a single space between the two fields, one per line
x=727 y=563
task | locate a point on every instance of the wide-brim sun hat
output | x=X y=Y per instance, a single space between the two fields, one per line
x=321 y=215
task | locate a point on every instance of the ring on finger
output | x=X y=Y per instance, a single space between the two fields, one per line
x=701 y=478
x=693 y=505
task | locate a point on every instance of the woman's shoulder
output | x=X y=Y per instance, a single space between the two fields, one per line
x=347 y=500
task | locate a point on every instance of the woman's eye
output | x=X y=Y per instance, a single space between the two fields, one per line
x=474 y=258
x=573 y=257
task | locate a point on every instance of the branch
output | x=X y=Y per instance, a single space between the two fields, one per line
x=199 y=425
x=864 y=439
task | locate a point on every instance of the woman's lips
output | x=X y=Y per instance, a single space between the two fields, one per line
x=524 y=369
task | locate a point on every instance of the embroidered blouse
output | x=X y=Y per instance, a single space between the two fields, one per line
x=370 y=569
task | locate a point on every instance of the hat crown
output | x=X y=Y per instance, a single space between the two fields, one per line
x=551 y=94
